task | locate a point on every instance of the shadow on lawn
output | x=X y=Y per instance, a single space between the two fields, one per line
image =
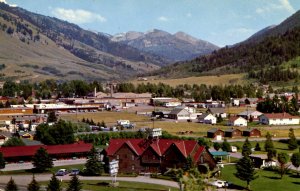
x=273 y=177
x=298 y=183
x=236 y=187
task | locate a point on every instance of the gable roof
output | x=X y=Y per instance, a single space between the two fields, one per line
x=160 y=146
x=280 y=116
x=213 y=130
x=250 y=129
x=204 y=115
x=230 y=130
x=234 y=118
x=247 y=113
x=177 y=110
x=214 y=110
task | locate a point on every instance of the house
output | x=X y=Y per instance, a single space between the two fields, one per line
x=250 y=114
x=248 y=101
x=179 y=113
x=278 y=119
x=215 y=133
x=251 y=132
x=217 y=111
x=156 y=155
x=261 y=161
x=207 y=118
x=233 y=133
x=237 y=121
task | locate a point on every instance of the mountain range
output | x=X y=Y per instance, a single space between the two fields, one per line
x=268 y=48
x=36 y=47
x=177 y=47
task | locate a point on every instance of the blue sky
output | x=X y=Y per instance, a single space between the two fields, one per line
x=222 y=22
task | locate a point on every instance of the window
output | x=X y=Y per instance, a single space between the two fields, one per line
x=290 y=119
x=132 y=167
x=201 y=159
x=132 y=157
x=118 y=157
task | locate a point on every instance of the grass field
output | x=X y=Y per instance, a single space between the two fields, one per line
x=123 y=186
x=106 y=116
x=208 y=80
x=266 y=181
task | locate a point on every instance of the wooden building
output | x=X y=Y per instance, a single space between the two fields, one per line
x=212 y=133
x=233 y=133
x=156 y=155
x=251 y=132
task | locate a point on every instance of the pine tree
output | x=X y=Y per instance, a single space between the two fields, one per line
x=54 y=184
x=246 y=150
x=74 y=184
x=296 y=161
x=269 y=143
x=11 y=186
x=92 y=165
x=33 y=185
x=292 y=143
x=283 y=159
x=217 y=146
x=226 y=146
x=41 y=160
x=245 y=170
x=2 y=161
x=257 y=147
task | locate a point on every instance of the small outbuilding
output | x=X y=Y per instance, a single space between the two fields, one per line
x=251 y=132
x=233 y=133
x=214 y=132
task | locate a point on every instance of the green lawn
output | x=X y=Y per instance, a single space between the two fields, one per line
x=266 y=181
x=123 y=186
x=279 y=146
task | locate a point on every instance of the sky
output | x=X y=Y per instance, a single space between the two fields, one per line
x=222 y=22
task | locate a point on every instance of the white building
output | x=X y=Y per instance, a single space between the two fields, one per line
x=247 y=114
x=207 y=119
x=278 y=119
x=237 y=121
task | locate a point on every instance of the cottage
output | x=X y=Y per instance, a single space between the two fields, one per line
x=251 y=132
x=207 y=118
x=156 y=155
x=279 y=119
x=233 y=133
x=179 y=113
x=250 y=114
x=218 y=111
x=261 y=161
x=215 y=132
x=237 y=121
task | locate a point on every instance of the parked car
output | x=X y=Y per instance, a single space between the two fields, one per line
x=61 y=172
x=219 y=183
x=74 y=172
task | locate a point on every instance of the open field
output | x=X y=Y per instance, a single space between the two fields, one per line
x=208 y=80
x=106 y=116
x=266 y=181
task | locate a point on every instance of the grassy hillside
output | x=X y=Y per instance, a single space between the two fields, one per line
x=208 y=80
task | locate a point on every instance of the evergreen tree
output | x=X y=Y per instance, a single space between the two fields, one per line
x=54 y=184
x=295 y=159
x=269 y=143
x=283 y=159
x=92 y=165
x=74 y=184
x=271 y=153
x=245 y=170
x=292 y=143
x=257 y=147
x=14 y=141
x=217 y=146
x=33 y=185
x=41 y=160
x=2 y=161
x=51 y=117
x=11 y=186
x=246 y=150
x=226 y=146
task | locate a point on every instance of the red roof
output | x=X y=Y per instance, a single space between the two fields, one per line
x=280 y=116
x=20 y=151
x=160 y=146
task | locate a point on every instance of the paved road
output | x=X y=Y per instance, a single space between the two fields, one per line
x=255 y=139
x=24 y=180
x=28 y=165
